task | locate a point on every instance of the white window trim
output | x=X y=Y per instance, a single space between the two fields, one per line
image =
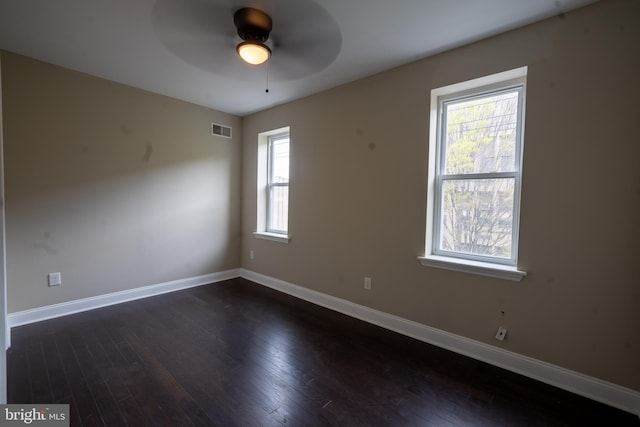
x=282 y=238
x=263 y=189
x=500 y=268
x=474 y=267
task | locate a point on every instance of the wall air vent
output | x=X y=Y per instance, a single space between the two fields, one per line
x=220 y=130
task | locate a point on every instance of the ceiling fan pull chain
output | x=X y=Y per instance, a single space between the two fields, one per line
x=267 y=84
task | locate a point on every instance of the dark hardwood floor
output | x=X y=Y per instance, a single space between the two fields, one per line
x=238 y=354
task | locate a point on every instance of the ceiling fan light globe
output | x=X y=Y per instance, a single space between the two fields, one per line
x=253 y=52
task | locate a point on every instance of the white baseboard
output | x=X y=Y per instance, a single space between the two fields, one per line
x=575 y=382
x=63 y=309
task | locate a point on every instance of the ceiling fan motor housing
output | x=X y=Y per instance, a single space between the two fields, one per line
x=252 y=24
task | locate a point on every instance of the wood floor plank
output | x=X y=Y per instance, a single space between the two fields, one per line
x=40 y=385
x=18 y=377
x=238 y=354
x=60 y=390
x=87 y=411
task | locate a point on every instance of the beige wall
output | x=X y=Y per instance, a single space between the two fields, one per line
x=358 y=179
x=112 y=186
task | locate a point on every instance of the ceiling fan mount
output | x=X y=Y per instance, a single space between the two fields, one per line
x=252 y=24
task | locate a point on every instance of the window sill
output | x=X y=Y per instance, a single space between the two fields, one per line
x=282 y=238
x=474 y=267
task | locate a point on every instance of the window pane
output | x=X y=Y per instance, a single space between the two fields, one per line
x=477 y=216
x=280 y=162
x=481 y=134
x=279 y=208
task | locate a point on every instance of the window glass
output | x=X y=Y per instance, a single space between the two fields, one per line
x=481 y=133
x=278 y=184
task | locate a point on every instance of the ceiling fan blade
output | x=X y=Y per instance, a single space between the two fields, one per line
x=297 y=57
x=200 y=32
x=305 y=39
x=191 y=18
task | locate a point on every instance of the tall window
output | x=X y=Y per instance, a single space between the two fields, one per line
x=475 y=172
x=278 y=184
x=272 y=221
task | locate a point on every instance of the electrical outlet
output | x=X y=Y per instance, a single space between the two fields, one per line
x=502 y=332
x=54 y=279
x=251 y=254
x=367 y=283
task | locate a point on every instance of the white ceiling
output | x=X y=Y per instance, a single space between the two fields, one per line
x=186 y=48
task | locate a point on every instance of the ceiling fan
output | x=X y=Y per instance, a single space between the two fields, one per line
x=253 y=27
x=298 y=37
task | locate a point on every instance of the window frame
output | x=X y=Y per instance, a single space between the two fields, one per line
x=435 y=256
x=263 y=191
